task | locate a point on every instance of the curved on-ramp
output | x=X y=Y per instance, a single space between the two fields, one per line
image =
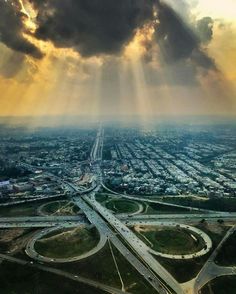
x=31 y=252
x=204 y=236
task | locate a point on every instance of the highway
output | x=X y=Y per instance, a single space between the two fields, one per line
x=138 y=246
x=100 y=223
x=104 y=226
x=32 y=199
x=226 y=216
x=114 y=227
x=72 y=221
x=150 y=269
x=41 y=221
x=96 y=152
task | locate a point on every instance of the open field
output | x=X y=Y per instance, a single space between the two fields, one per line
x=227 y=256
x=101 y=197
x=183 y=270
x=20 y=210
x=68 y=243
x=221 y=285
x=17 y=279
x=217 y=204
x=100 y=267
x=154 y=208
x=122 y=206
x=28 y=209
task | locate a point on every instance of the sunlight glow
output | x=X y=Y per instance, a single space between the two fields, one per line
x=138 y=80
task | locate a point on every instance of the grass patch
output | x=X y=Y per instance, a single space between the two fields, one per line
x=227 y=256
x=12 y=239
x=19 y=210
x=217 y=204
x=101 y=197
x=100 y=267
x=122 y=206
x=154 y=208
x=183 y=270
x=133 y=281
x=171 y=240
x=221 y=285
x=18 y=279
x=68 y=243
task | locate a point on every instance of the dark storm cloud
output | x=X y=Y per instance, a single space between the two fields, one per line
x=12 y=27
x=178 y=41
x=104 y=26
x=204 y=29
x=91 y=27
x=174 y=38
x=97 y=27
x=203 y=60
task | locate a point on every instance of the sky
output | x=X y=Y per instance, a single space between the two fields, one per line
x=117 y=58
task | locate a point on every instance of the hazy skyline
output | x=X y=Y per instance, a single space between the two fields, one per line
x=115 y=58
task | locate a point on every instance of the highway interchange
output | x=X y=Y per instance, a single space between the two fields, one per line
x=115 y=228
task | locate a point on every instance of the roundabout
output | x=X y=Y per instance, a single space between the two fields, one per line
x=60 y=245
x=173 y=240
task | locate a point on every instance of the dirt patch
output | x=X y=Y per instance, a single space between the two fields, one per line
x=65 y=235
x=14 y=240
x=216 y=228
x=140 y=228
x=10 y=235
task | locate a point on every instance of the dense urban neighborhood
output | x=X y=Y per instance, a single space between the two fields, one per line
x=156 y=207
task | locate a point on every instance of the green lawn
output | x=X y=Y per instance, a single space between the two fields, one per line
x=183 y=270
x=19 y=210
x=154 y=208
x=101 y=267
x=68 y=243
x=122 y=206
x=101 y=197
x=227 y=256
x=18 y=279
x=217 y=204
x=221 y=285
x=172 y=240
